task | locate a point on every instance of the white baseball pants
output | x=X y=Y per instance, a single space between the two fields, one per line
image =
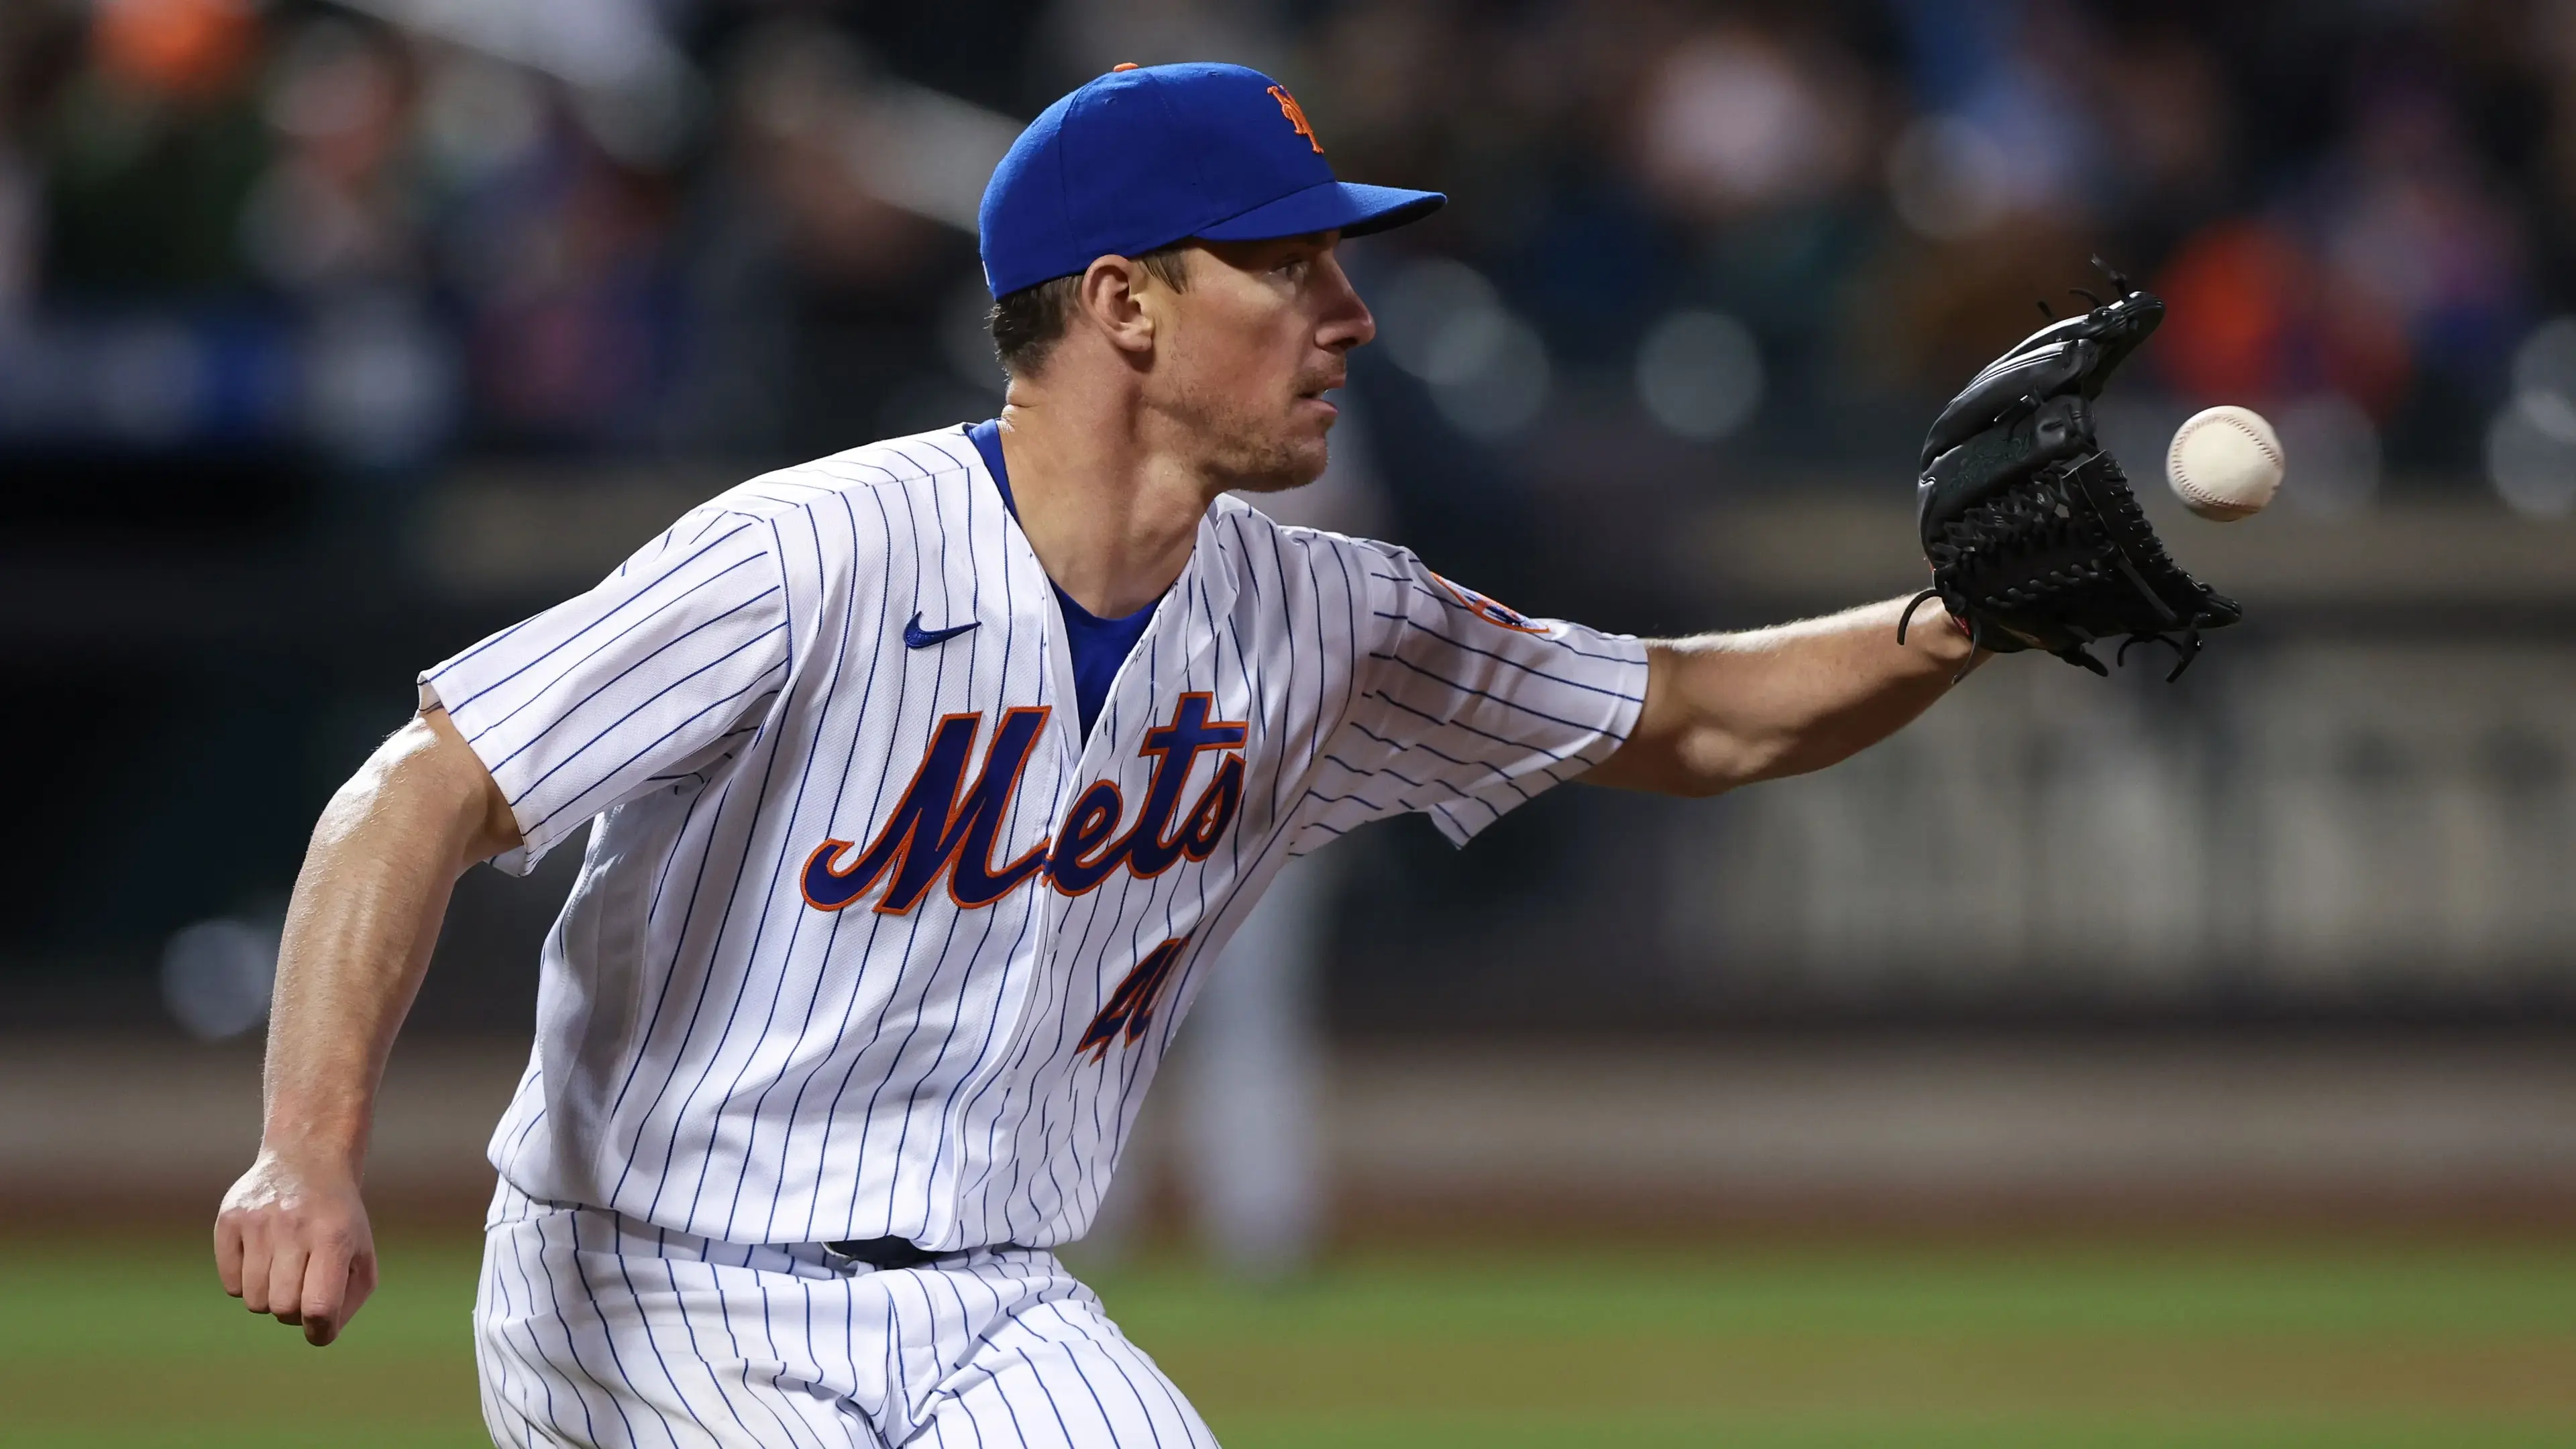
x=595 y=1329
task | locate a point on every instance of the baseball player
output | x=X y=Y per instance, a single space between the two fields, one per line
x=920 y=782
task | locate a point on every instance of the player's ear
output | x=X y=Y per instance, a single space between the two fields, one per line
x=1110 y=297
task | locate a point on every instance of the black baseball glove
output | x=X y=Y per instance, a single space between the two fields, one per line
x=2035 y=540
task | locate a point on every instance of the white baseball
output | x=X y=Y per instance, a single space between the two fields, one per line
x=2225 y=463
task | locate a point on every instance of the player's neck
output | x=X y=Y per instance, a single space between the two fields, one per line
x=1112 y=517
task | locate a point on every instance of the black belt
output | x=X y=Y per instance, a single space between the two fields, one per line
x=887 y=1253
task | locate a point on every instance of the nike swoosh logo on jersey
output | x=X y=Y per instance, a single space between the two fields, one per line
x=917 y=637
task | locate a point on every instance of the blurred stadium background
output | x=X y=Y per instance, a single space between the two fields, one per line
x=333 y=336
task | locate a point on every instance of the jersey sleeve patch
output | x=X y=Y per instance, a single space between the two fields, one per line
x=1492 y=612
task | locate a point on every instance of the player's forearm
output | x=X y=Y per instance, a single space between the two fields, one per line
x=364 y=917
x=1724 y=710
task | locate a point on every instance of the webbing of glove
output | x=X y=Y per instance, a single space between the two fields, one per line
x=2062 y=557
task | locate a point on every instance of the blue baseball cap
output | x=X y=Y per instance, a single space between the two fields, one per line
x=1147 y=156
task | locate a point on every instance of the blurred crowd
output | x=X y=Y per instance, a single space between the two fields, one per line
x=2357 y=207
x=284 y=283
x=386 y=233
x=306 y=225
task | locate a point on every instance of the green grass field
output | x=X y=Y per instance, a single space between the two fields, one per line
x=111 y=1346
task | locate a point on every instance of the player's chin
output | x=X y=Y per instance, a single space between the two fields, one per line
x=1294 y=462
x=1310 y=422
x=1308 y=452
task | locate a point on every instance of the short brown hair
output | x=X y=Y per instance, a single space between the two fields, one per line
x=1028 y=323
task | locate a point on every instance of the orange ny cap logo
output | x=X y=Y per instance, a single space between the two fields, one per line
x=1296 y=115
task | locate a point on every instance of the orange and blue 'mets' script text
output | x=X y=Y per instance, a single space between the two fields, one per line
x=947 y=826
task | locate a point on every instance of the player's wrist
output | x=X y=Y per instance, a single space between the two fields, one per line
x=315 y=1154
x=1951 y=642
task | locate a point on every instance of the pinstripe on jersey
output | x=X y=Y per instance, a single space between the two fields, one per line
x=594 y=1329
x=715 y=1055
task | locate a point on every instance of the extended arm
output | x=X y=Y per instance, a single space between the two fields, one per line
x=1724 y=710
x=292 y=1239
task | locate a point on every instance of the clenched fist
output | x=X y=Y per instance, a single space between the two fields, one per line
x=292 y=1241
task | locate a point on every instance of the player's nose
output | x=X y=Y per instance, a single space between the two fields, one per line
x=1364 y=325
x=1347 y=322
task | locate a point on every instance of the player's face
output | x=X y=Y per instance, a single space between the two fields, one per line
x=1248 y=350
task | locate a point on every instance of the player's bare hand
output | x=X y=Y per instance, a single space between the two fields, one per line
x=292 y=1241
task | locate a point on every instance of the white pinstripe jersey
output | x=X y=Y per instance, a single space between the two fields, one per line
x=870 y=940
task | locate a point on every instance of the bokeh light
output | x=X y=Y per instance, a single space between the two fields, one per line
x=1699 y=374
x=1488 y=370
x=216 y=975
